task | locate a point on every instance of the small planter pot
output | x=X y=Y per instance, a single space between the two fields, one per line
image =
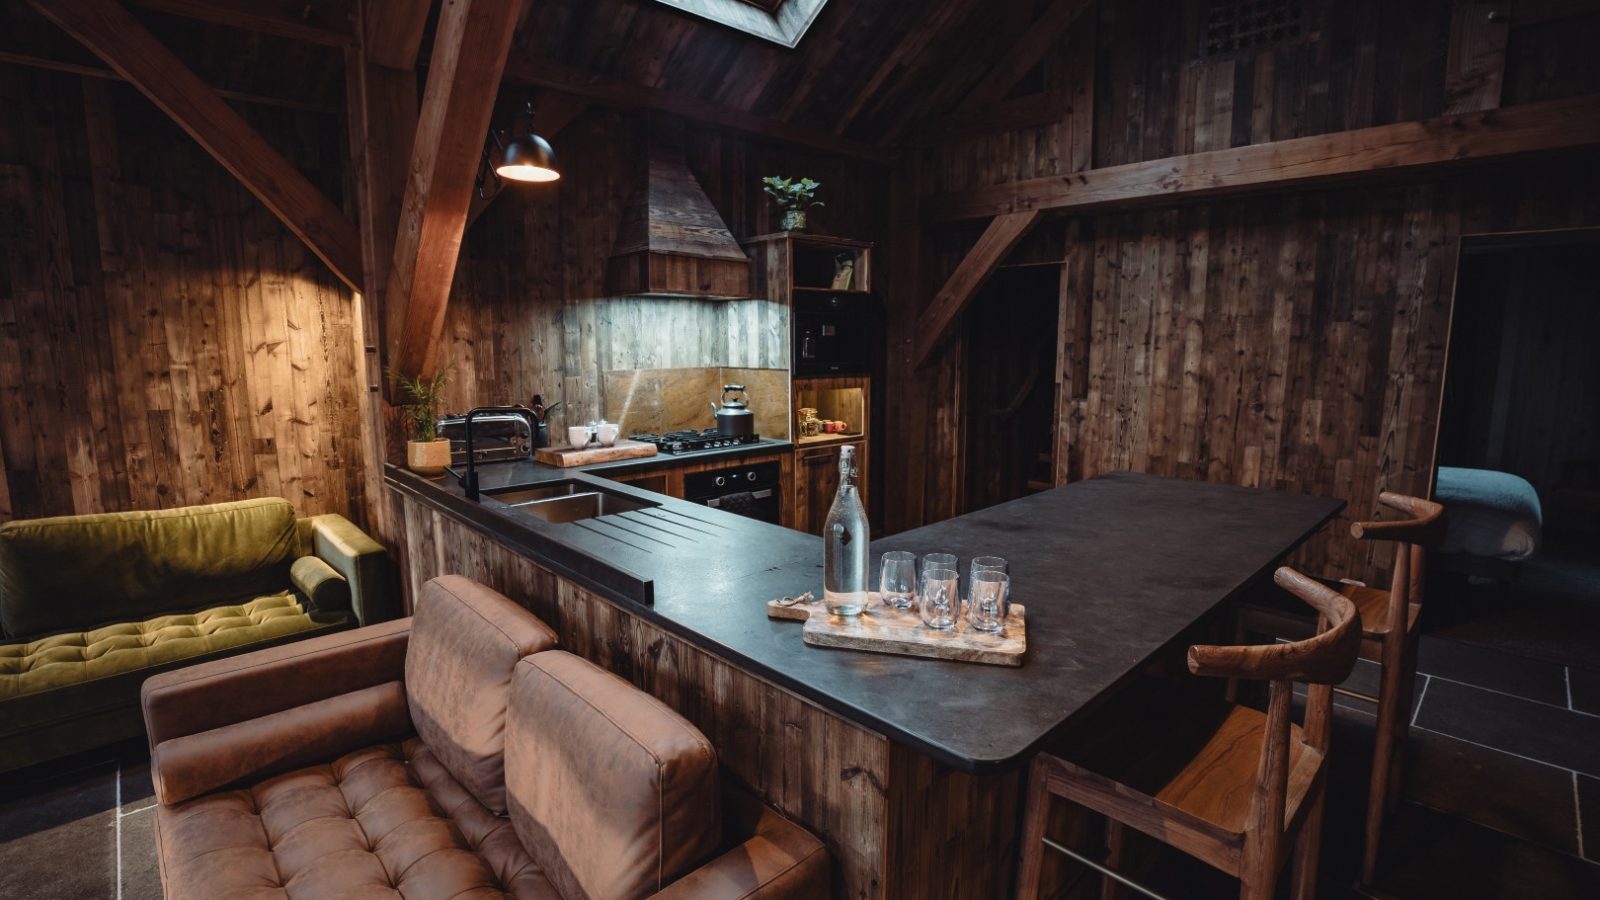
x=794 y=220
x=428 y=458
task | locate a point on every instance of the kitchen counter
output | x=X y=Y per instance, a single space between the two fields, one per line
x=1112 y=570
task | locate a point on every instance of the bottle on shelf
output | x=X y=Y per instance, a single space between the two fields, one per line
x=845 y=540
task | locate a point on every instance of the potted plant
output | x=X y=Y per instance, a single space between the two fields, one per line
x=427 y=454
x=794 y=197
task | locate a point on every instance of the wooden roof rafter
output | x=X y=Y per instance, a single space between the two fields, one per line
x=1364 y=153
x=107 y=29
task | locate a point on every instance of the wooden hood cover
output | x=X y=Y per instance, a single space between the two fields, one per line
x=671 y=240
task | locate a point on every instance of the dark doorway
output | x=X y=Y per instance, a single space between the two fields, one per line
x=1522 y=398
x=1011 y=331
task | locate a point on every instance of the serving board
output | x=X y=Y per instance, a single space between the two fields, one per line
x=567 y=457
x=884 y=629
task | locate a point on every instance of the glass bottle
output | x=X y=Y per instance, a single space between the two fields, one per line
x=845 y=540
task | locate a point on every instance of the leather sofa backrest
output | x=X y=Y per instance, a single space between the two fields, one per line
x=613 y=794
x=465 y=643
x=80 y=571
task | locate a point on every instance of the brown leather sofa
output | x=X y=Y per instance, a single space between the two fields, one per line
x=451 y=755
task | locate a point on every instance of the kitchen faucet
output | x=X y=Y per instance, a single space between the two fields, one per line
x=469 y=478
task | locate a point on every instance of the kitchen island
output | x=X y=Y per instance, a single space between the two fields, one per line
x=909 y=768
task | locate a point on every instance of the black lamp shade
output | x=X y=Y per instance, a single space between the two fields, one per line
x=527 y=157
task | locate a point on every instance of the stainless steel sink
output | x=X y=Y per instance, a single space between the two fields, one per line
x=566 y=501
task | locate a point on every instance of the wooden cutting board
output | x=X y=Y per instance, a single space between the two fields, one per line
x=567 y=457
x=884 y=629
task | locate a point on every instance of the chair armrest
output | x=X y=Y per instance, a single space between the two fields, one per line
x=240 y=688
x=185 y=767
x=362 y=561
x=778 y=860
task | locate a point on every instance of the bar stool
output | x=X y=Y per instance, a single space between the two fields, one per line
x=1393 y=648
x=1229 y=785
x=1389 y=638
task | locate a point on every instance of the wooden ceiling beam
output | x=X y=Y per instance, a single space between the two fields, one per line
x=969 y=277
x=57 y=65
x=1364 y=153
x=468 y=59
x=612 y=92
x=1020 y=59
x=134 y=53
x=293 y=19
x=393 y=37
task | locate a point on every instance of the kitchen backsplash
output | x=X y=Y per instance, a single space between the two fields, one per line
x=662 y=400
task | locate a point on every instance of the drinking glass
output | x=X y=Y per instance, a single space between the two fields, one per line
x=987 y=604
x=940 y=598
x=939 y=561
x=897 y=581
x=981 y=563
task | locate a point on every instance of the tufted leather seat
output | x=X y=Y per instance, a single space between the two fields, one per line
x=79 y=656
x=451 y=755
x=384 y=821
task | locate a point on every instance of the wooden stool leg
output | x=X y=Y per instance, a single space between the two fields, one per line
x=1035 y=815
x=1391 y=718
x=1116 y=847
x=1402 y=733
x=1307 y=848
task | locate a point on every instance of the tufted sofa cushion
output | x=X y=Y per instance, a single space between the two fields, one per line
x=465 y=643
x=80 y=656
x=385 y=821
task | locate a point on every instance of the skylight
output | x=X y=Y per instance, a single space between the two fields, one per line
x=780 y=21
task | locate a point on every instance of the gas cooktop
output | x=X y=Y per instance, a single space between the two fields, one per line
x=689 y=441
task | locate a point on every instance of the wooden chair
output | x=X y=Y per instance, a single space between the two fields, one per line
x=1394 y=649
x=1229 y=785
x=1389 y=638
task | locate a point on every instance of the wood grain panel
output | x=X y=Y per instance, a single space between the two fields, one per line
x=164 y=340
x=1294 y=344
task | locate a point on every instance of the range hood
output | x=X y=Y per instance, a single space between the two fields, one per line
x=671 y=241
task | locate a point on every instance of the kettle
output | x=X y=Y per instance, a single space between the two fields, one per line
x=734 y=418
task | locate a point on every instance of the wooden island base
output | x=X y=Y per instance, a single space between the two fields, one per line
x=898 y=823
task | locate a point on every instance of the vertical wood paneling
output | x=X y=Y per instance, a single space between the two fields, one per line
x=1311 y=355
x=164 y=340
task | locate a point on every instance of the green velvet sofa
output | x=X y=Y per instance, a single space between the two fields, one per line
x=91 y=606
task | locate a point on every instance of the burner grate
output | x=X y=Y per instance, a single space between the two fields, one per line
x=689 y=441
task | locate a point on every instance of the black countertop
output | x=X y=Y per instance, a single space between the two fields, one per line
x=1111 y=570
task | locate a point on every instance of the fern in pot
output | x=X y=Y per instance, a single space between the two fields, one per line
x=794 y=196
x=427 y=454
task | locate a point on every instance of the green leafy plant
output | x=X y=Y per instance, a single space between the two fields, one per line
x=425 y=394
x=789 y=193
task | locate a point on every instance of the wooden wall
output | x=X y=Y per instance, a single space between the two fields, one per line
x=1295 y=340
x=163 y=339
x=1289 y=342
x=530 y=311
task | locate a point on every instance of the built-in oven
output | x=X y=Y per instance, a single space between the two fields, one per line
x=832 y=333
x=746 y=490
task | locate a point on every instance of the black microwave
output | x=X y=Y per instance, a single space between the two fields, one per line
x=832 y=333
